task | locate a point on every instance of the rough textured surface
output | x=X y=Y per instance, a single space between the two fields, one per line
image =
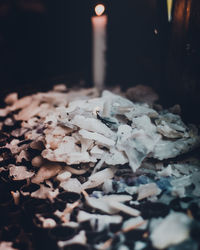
x=96 y=165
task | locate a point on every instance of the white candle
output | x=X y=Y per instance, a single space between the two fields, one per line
x=169 y=9
x=99 y=24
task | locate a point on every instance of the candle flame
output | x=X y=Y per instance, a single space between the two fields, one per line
x=99 y=9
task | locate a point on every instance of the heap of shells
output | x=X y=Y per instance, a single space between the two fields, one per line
x=77 y=151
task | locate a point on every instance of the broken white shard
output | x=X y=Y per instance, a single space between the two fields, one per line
x=61 y=145
x=171 y=126
x=121 y=247
x=116 y=100
x=168 y=132
x=144 y=122
x=22 y=155
x=166 y=171
x=124 y=208
x=137 y=146
x=117 y=197
x=165 y=149
x=31 y=110
x=86 y=144
x=63 y=176
x=20 y=172
x=133 y=222
x=172 y=230
x=139 y=245
x=92 y=125
x=21 y=103
x=116 y=157
x=72 y=185
x=98 y=178
x=77 y=158
x=173 y=121
x=107 y=186
x=45 y=193
x=69 y=158
x=48 y=223
x=80 y=238
x=98 y=138
x=124 y=132
x=101 y=205
x=182 y=182
x=140 y=110
x=97 y=152
x=148 y=190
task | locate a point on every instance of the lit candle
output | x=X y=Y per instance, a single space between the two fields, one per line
x=169 y=9
x=99 y=24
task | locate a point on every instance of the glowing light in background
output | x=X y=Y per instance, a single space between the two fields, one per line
x=169 y=9
x=99 y=9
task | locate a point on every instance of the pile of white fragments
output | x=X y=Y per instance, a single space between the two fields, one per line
x=117 y=154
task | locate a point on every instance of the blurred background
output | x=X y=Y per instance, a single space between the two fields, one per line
x=43 y=42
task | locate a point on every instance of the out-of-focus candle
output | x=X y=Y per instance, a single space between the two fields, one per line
x=169 y=9
x=99 y=27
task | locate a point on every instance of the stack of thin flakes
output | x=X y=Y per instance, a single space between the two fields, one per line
x=83 y=171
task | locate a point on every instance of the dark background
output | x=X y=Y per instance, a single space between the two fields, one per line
x=46 y=41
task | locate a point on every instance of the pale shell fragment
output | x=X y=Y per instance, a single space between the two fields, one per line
x=97 y=152
x=98 y=178
x=72 y=185
x=22 y=155
x=92 y=125
x=101 y=205
x=31 y=110
x=126 y=209
x=20 y=172
x=98 y=138
x=148 y=190
x=46 y=172
x=63 y=176
x=45 y=193
x=117 y=197
x=116 y=157
x=80 y=238
x=49 y=223
x=172 y=230
x=22 y=103
x=132 y=222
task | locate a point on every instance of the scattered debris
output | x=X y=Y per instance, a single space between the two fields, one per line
x=112 y=172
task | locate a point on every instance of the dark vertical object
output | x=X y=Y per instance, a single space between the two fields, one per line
x=182 y=73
